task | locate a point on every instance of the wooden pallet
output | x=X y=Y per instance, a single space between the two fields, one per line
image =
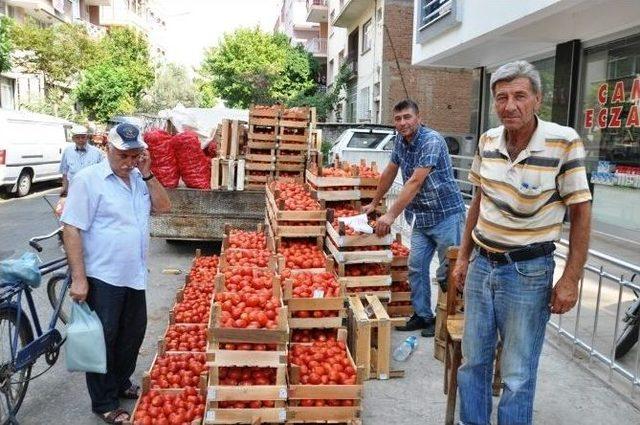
x=370 y=337
x=297 y=392
x=216 y=393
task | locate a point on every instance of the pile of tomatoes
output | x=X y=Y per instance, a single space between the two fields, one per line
x=400 y=287
x=195 y=310
x=315 y=285
x=303 y=254
x=247 y=240
x=204 y=269
x=367 y=172
x=186 y=338
x=295 y=196
x=314 y=314
x=177 y=370
x=323 y=363
x=156 y=408
x=335 y=172
x=248 y=347
x=243 y=257
x=241 y=376
x=248 y=280
x=250 y=311
x=399 y=250
x=355 y=270
x=310 y=335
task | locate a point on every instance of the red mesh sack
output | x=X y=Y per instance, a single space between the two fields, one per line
x=194 y=165
x=163 y=161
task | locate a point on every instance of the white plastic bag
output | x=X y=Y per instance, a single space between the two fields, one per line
x=85 y=350
x=359 y=223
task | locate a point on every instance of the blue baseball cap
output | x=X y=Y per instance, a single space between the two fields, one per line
x=126 y=136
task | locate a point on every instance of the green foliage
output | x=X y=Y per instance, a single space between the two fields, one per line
x=115 y=84
x=59 y=51
x=172 y=85
x=6 y=46
x=251 y=66
x=325 y=101
x=63 y=107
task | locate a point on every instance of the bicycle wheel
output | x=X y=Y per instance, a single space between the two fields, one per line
x=13 y=384
x=53 y=291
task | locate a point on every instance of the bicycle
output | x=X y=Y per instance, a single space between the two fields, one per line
x=17 y=336
x=631 y=329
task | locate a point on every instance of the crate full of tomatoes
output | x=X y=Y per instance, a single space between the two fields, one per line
x=292 y=211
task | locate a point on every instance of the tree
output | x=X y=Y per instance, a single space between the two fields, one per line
x=116 y=83
x=325 y=101
x=251 y=66
x=60 y=52
x=6 y=46
x=172 y=85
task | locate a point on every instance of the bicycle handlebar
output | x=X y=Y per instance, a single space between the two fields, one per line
x=33 y=242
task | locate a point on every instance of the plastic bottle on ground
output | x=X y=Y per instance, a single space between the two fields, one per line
x=404 y=350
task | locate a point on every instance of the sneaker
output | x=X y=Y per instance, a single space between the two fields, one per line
x=430 y=330
x=413 y=324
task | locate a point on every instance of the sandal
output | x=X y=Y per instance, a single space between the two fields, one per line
x=131 y=393
x=112 y=417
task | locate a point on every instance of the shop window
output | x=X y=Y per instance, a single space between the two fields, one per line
x=609 y=120
x=546 y=68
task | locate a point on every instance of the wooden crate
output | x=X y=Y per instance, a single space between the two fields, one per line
x=252 y=179
x=439 y=340
x=283 y=229
x=357 y=256
x=283 y=215
x=260 y=166
x=289 y=166
x=244 y=335
x=321 y=303
x=223 y=174
x=217 y=353
x=217 y=393
x=399 y=274
x=370 y=337
x=145 y=388
x=232 y=134
x=260 y=155
x=295 y=157
x=297 y=392
x=223 y=263
x=341 y=239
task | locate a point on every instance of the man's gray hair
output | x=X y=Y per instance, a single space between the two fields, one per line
x=518 y=69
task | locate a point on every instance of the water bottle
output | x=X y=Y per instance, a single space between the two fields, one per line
x=404 y=350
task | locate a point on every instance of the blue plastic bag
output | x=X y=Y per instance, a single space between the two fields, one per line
x=85 y=350
x=24 y=269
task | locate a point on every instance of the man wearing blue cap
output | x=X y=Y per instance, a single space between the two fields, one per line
x=106 y=237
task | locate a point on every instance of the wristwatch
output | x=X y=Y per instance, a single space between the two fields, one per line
x=149 y=177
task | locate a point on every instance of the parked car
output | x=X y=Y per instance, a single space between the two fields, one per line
x=376 y=145
x=30 y=149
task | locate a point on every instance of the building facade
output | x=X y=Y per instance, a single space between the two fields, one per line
x=588 y=55
x=374 y=39
x=18 y=88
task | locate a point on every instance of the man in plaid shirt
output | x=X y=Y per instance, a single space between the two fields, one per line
x=431 y=201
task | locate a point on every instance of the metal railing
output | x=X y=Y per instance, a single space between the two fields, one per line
x=316 y=46
x=613 y=282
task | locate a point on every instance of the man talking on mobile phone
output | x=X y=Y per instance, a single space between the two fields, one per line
x=106 y=237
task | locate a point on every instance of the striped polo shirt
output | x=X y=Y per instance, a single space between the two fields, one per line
x=524 y=201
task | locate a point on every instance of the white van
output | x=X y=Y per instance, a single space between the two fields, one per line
x=31 y=148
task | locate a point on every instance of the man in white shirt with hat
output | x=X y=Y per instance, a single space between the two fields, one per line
x=106 y=236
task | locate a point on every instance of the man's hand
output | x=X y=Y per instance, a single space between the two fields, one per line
x=79 y=289
x=369 y=208
x=460 y=273
x=383 y=225
x=144 y=163
x=564 y=295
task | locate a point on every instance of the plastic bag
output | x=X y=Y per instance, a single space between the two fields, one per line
x=359 y=223
x=85 y=349
x=195 y=166
x=23 y=269
x=163 y=161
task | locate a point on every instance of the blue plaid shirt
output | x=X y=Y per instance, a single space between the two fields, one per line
x=439 y=197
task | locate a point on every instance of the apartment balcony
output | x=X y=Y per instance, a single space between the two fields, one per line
x=40 y=10
x=350 y=12
x=317 y=11
x=352 y=65
x=317 y=47
x=97 y=2
x=122 y=17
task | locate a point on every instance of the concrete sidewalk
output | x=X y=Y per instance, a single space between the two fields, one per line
x=567 y=393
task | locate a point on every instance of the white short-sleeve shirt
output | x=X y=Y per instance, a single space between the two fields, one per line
x=74 y=160
x=113 y=219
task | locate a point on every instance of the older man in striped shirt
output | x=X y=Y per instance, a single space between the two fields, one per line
x=527 y=172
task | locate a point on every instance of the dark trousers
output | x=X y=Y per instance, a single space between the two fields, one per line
x=123 y=313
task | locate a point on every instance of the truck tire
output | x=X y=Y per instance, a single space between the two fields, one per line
x=23 y=185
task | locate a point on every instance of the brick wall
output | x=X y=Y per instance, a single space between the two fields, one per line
x=443 y=95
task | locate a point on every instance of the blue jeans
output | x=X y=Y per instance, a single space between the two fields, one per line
x=510 y=300
x=424 y=242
